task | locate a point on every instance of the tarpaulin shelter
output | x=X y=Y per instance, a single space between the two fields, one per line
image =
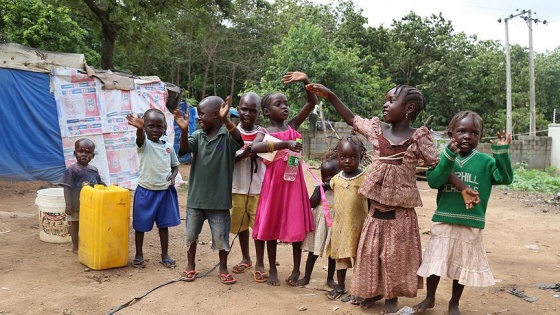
x=49 y=99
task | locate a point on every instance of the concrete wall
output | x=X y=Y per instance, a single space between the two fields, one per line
x=534 y=150
x=554 y=134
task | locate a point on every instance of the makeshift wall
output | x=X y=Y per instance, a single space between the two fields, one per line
x=30 y=146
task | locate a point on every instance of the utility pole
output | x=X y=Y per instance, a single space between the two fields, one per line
x=532 y=120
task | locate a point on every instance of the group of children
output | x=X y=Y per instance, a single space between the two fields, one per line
x=360 y=218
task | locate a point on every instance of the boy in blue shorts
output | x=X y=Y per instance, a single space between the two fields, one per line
x=213 y=149
x=155 y=199
x=74 y=178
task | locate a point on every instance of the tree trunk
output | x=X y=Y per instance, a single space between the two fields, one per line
x=110 y=32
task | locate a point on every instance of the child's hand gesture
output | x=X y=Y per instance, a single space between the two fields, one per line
x=470 y=197
x=453 y=146
x=224 y=109
x=181 y=119
x=294 y=146
x=502 y=139
x=319 y=90
x=137 y=121
x=295 y=76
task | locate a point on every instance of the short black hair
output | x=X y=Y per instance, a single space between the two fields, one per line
x=155 y=111
x=466 y=113
x=353 y=139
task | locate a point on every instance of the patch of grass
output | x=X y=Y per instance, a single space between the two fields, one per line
x=535 y=180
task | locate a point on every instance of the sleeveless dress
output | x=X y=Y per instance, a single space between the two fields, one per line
x=284 y=212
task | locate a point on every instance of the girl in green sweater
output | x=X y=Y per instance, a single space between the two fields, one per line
x=455 y=249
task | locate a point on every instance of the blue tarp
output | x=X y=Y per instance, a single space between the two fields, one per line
x=30 y=146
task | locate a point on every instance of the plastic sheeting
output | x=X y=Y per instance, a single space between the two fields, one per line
x=30 y=146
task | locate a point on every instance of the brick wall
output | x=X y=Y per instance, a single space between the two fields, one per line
x=533 y=150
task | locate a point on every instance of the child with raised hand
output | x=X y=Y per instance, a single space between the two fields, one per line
x=316 y=242
x=75 y=177
x=351 y=209
x=155 y=198
x=283 y=213
x=213 y=149
x=389 y=252
x=248 y=175
x=455 y=249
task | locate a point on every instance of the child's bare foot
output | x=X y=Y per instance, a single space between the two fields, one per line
x=303 y=281
x=454 y=309
x=331 y=283
x=391 y=306
x=273 y=277
x=293 y=279
x=424 y=305
x=367 y=303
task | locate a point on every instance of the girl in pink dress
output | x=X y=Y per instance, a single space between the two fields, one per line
x=283 y=213
x=389 y=251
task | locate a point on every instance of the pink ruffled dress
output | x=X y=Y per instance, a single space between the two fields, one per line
x=284 y=212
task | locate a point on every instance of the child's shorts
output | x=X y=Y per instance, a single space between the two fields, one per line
x=243 y=212
x=343 y=263
x=159 y=206
x=219 y=221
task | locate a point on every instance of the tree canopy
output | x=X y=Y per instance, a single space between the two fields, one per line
x=230 y=46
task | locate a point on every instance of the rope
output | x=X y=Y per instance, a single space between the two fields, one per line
x=254 y=169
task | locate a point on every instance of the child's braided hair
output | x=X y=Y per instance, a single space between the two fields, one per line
x=414 y=95
x=353 y=139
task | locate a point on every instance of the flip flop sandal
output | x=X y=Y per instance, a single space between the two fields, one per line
x=260 y=277
x=227 y=278
x=241 y=268
x=189 y=275
x=168 y=263
x=138 y=263
x=335 y=294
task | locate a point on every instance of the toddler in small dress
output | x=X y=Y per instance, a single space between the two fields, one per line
x=455 y=249
x=351 y=209
x=316 y=242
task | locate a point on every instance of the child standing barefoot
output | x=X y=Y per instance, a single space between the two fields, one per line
x=389 y=251
x=351 y=209
x=316 y=242
x=455 y=249
x=283 y=212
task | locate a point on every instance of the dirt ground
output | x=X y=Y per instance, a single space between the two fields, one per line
x=46 y=278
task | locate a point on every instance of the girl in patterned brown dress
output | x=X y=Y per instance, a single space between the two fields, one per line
x=389 y=251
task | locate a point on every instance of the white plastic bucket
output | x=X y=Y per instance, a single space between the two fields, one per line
x=53 y=226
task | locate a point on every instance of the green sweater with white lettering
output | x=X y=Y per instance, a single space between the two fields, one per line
x=479 y=171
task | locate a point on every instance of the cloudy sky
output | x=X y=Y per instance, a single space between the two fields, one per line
x=478 y=17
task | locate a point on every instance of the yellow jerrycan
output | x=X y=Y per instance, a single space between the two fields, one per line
x=104 y=227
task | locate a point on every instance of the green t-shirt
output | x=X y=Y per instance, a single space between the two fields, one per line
x=479 y=171
x=211 y=170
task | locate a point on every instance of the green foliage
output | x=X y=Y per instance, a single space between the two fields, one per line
x=39 y=25
x=535 y=180
x=337 y=68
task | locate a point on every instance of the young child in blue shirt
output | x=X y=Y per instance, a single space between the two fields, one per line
x=213 y=149
x=74 y=178
x=155 y=198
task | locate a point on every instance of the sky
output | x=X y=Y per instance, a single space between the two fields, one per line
x=476 y=17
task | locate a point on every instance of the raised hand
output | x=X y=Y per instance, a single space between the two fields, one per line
x=319 y=90
x=502 y=138
x=181 y=119
x=137 y=121
x=470 y=197
x=295 y=76
x=453 y=146
x=224 y=109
